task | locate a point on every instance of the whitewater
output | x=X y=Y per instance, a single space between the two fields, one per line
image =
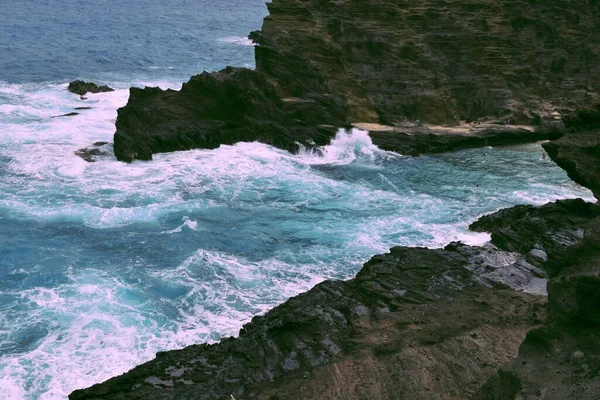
x=103 y=264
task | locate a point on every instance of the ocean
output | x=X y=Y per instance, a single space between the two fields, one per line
x=103 y=264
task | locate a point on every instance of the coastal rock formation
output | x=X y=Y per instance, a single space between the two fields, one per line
x=414 y=323
x=94 y=152
x=578 y=152
x=326 y=62
x=561 y=359
x=225 y=107
x=542 y=234
x=81 y=88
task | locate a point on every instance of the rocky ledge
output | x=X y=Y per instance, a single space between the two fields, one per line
x=325 y=64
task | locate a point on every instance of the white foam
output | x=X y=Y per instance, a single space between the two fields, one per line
x=345 y=148
x=187 y=223
x=239 y=40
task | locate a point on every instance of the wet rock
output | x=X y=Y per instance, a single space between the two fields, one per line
x=81 y=88
x=92 y=153
x=224 y=107
x=313 y=343
x=571 y=331
x=71 y=114
x=542 y=234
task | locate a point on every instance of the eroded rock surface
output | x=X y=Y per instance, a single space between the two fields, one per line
x=326 y=62
x=561 y=359
x=578 y=152
x=414 y=323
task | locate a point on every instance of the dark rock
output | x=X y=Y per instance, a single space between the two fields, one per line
x=417 y=140
x=543 y=233
x=343 y=62
x=71 y=114
x=81 y=88
x=546 y=366
x=91 y=154
x=255 y=36
x=83 y=108
x=578 y=153
x=225 y=107
x=561 y=360
x=405 y=322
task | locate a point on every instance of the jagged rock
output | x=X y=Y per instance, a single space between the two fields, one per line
x=561 y=360
x=325 y=62
x=81 y=88
x=225 y=107
x=578 y=152
x=91 y=154
x=546 y=367
x=410 y=325
x=542 y=234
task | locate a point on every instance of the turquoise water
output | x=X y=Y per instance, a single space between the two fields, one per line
x=104 y=264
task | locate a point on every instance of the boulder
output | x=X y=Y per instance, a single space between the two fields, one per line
x=81 y=88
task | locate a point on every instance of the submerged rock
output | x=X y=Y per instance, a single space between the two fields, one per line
x=81 y=88
x=71 y=114
x=92 y=153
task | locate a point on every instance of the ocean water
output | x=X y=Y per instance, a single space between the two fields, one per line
x=104 y=264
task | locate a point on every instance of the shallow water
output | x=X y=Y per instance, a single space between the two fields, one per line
x=104 y=264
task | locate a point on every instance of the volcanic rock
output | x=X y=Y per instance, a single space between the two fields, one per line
x=410 y=325
x=325 y=62
x=81 y=88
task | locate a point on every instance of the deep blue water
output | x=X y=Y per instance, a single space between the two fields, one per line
x=107 y=40
x=103 y=264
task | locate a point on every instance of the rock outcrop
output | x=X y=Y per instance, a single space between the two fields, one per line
x=414 y=323
x=81 y=88
x=561 y=359
x=578 y=152
x=326 y=62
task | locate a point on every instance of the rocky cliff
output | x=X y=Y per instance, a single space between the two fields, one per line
x=323 y=64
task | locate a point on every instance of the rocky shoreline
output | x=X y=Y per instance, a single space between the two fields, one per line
x=459 y=322
x=415 y=323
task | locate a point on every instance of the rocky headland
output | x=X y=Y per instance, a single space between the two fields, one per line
x=501 y=71
x=517 y=318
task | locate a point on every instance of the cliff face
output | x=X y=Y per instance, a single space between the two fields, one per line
x=323 y=64
x=436 y=60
